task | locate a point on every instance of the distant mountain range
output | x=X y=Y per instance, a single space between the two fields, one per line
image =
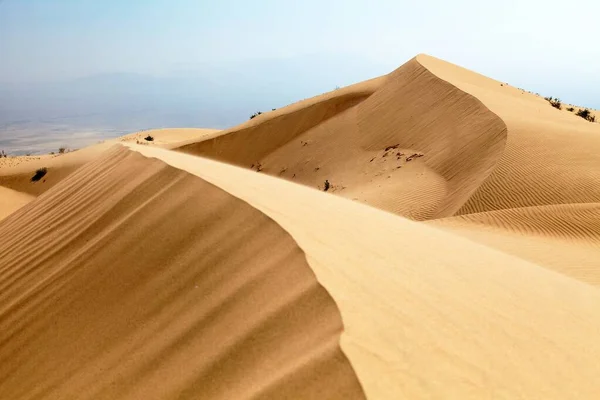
x=209 y=95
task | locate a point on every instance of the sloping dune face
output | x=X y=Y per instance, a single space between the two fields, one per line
x=16 y=174
x=551 y=156
x=132 y=279
x=252 y=141
x=565 y=238
x=428 y=314
x=460 y=138
x=417 y=146
x=541 y=200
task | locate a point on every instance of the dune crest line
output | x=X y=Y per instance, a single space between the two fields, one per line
x=133 y=279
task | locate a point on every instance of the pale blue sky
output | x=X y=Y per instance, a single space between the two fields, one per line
x=541 y=45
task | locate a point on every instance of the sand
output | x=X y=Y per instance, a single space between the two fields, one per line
x=11 y=200
x=455 y=254
x=463 y=321
x=16 y=172
x=117 y=280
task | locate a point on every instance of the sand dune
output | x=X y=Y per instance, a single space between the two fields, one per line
x=16 y=172
x=410 y=113
x=551 y=156
x=463 y=321
x=565 y=238
x=112 y=287
x=456 y=253
x=252 y=140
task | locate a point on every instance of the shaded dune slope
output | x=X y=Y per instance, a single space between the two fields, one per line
x=551 y=156
x=132 y=279
x=541 y=200
x=19 y=179
x=365 y=149
x=428 y=314
x=253 y=140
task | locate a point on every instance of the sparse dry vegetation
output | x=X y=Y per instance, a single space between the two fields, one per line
x=554 y=102
x=586 y=114
x=39 y=174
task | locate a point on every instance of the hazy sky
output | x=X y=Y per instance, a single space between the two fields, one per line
x=541 y=45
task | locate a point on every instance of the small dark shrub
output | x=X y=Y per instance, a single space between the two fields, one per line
x=39 y=174
x=587 y=115
x=554 y=102
x=149 y=138
x=256 y=114
x=62 y=150
x=570 y=109
x=326 y=185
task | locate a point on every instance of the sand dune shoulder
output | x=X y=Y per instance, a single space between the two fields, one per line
x=132 y=279
x=551 y=156
x=413 y=144
x=427 y=313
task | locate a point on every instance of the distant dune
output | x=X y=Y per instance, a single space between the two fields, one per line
x=429 y=234
x=371 y=148
x=16 y=172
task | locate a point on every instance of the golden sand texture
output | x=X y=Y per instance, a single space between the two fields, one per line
x=454 y=255
x=551 y=156
x=426 y=313
x=416 y=145
x=133 y=279
x=16 y=172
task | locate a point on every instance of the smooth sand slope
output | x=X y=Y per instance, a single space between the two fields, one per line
x=542 y=200
x=132 y=279
x=565 y=238
x=551 y=156
x=434 y=140
x=416 y=146
x=428 y=314
x=171 y=287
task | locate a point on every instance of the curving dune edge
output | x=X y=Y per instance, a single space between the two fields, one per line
x=454 y=255
x=134 y=279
